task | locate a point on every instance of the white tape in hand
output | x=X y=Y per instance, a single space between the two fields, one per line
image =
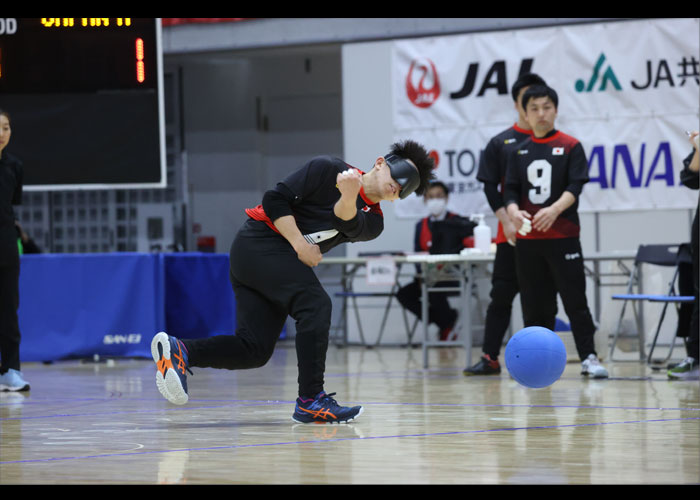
x=526 y=227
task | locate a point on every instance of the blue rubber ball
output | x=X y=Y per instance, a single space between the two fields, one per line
x=535 y=357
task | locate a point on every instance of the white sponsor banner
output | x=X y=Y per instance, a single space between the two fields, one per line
x=456 y=154
x=638 y=167
x=627 y=90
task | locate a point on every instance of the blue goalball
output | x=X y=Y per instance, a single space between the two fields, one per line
x=535 y=357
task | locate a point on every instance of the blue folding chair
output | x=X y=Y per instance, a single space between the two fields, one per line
x=660 y=255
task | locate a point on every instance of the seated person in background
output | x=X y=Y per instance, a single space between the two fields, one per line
x=442 y=232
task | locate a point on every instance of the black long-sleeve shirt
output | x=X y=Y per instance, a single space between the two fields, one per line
x=11 y=175
x=689 y=178
x=492 y=168
x=309 y=195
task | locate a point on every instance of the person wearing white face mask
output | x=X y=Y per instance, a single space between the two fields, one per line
x=437 y=207
x=441 y=232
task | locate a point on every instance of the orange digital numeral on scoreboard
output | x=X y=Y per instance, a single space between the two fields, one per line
x=140 y=67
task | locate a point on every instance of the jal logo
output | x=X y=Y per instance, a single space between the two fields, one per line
x=495 y=78
x=422 y=83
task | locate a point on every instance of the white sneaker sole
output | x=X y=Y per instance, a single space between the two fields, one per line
x=8 y=388
x=168 y=385
x=690 y=375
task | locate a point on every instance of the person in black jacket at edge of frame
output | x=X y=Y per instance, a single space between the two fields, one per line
x=11 y=176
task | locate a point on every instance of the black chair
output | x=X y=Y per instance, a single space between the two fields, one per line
x=673 y=255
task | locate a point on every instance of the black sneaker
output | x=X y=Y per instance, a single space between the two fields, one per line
x=324 y=410
x=485 y=366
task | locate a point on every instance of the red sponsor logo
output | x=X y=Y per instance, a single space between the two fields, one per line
x=422 y=83
x=436 y=158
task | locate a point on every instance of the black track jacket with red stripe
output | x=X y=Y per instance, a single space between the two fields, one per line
x=309 y=194
x=492 y=168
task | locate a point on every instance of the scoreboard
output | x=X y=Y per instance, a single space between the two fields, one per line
x=85 y=98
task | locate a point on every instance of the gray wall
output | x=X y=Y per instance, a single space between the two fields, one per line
x=248 y=120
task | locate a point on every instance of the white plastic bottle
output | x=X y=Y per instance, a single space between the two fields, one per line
x=482 y=234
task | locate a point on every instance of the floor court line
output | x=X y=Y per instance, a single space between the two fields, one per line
x=248 y=403
x=331 y=440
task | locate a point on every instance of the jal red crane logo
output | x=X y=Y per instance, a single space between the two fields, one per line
x=422 y=83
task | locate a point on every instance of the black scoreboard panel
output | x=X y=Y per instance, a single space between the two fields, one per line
x=85 y=100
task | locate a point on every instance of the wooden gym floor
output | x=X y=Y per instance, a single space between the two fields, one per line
x=107 y=424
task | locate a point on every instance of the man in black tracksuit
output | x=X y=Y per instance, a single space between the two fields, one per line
x=544 y=178
x=321 y=205
x=504 y=280
x=688 y=368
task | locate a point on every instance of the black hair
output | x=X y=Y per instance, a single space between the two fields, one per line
x=537 y=91
x=525 y=80
x=439 y=184
x=411 y=150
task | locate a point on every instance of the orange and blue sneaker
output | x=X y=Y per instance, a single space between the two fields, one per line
x=323 y=409
x=170 y=356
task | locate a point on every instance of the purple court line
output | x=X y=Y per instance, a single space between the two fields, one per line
x=245 y=402
x=266 y=403
x=287 y=443
x=155 y=410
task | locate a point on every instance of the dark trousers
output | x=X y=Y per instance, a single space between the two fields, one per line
x=439 y=310
x=9 y=326
x=546 y=267
x=270 y=283
x=504 y=288
x=692 y=345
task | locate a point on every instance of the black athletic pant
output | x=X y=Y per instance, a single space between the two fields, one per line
x=439 y=310
x=9 y=326
x=545 y=267
x=270 y=283
x=692 y=345
x=504 y=288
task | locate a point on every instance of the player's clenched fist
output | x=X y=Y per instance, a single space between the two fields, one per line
x=349 y=182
